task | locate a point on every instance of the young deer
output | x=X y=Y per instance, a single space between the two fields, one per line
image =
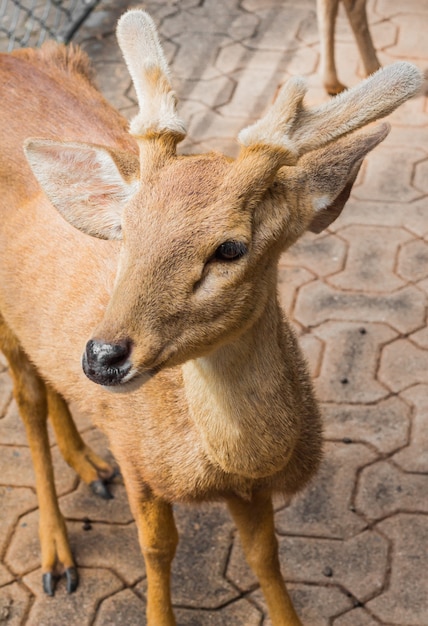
x=356 y=12
x=191 y=368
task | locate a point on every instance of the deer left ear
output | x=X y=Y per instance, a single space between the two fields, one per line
x=85 y=183
x=325 y=177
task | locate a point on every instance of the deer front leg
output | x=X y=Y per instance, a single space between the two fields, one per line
x=357 y=15
x=326 y=16
x=255 y=523
x=158 y=540
x=157 y=535
x=30 y=395
x=91 y=468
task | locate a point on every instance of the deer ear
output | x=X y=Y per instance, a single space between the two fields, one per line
x=84 y=184
x=325 y=177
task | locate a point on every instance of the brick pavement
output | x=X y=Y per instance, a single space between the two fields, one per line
x=354 y=544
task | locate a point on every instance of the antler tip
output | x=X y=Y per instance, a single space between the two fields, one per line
x=133 y=22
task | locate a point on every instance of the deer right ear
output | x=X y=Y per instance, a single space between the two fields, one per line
x=324 y=177
x=84 y=184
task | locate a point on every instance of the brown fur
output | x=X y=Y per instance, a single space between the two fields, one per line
x=228 y=411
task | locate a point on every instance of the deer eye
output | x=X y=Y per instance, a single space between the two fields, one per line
x=230 y=251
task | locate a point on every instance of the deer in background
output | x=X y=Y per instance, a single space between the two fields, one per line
x=161 y=270
x=326 y=15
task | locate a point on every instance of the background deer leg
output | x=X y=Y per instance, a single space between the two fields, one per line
x=255 y=522
x=30 y=395
x=326 y=16
x=91 y=468
x=357 y=15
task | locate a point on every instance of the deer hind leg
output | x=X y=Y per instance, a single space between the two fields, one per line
x=255 y=522
x=91 y=468
x=356 y=11
x=326 y=16
x=30 y=395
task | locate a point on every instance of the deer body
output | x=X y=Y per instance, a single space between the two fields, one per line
x=66 y=318
x=191 y=368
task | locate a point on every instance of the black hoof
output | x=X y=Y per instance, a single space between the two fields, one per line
x=100 y=488
x=49 y=583
x=72 y=579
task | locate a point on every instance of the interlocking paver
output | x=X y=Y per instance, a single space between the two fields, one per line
x=240 y=613
x=371 y=259
x=403 y=364
x=421 y=176
x=205 y=536
x=322 y=255
x=14 y=603
x=238 y=56
x=411 y=42
x=316 y=604
x=384 y=425
x=77 y=608
x=280 y=28
x=420 y=338
x=414 y=457
x=413 y=260
x=121 y=609
x=17 y=470
x=313 y=349
x=395 y=7
x=5 y=576
x=350 y=361
x=357 y=296
x=14 y=503
x=394 y=181
x=356 y=617
x=23 y=552
x=290 y=279
x=360 y=563
x=321 y=510
x=12 y=429
x=404 y=310
x=108 y=546
x=415 y=217
x=405 y=601
x=383 y=489
x=81 y=503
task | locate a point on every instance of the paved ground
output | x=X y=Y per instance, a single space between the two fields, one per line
x=354 y=545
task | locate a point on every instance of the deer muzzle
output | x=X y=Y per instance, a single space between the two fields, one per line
x=107 y=364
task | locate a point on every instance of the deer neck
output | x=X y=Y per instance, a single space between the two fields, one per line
x=243 y=397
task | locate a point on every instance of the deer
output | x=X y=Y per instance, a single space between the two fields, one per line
x=139 y=285
x=357 y=15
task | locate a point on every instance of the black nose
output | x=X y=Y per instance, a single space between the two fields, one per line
x=107 y=363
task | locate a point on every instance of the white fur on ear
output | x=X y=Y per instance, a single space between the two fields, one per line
x=83 y=183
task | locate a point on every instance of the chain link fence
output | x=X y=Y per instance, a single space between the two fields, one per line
x=29 y=22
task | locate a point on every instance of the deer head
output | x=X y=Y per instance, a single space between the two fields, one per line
x=201 y=235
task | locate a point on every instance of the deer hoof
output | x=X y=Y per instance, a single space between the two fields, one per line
x=49 y=583
x=334 y=88
x=100 y=488
x=72 y=579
